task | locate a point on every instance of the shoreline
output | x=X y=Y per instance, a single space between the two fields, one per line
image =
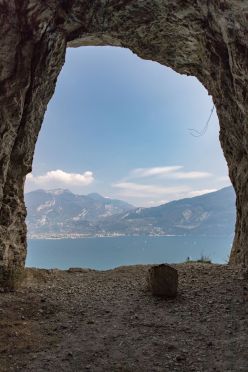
x=79 y=236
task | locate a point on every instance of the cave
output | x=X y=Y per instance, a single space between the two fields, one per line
x=206 y=39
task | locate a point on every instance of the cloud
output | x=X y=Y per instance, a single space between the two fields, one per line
x=225 y=180
x=172 y=171
x=59 y=178
x=140 y=190
x=152 y=195
x=201 y=192
x=155 y=203
x=155 y=171
x=190 y=175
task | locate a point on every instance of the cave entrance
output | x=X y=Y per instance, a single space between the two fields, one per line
x=120 y=127
x=203 y=40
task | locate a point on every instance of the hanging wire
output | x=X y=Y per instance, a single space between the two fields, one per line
x=197 y=133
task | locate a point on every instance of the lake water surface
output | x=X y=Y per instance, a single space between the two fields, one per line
x=107 y=253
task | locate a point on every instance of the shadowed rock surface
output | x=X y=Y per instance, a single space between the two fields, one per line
x=204 y=38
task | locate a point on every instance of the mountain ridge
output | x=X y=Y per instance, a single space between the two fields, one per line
x=62 y=212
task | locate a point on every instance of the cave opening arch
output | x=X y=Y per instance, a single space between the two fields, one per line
x=133 y=113
x=204 y=39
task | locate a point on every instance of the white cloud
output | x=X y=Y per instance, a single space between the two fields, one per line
x=152 y=195
x=155 y=203
x=155 y=171
x=200 y=192
x=172 y=171
x=225 y=180
x=191 y=175
x=131 y=187
x=59 y=178
x=140 y=190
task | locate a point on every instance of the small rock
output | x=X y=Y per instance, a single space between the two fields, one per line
x=90 y=322
x=171 y=347
x=163 y=280
x=180 y=358
x=77 y=270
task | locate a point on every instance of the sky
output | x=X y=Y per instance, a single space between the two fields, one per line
x=119 y=126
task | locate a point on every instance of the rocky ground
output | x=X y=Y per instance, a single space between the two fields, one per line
x=108 y=321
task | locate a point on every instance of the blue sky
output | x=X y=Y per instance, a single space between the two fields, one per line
x=118 y=125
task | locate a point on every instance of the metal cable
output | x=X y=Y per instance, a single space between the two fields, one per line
x=197 y=133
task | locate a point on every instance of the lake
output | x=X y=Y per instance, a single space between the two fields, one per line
x=107 y=253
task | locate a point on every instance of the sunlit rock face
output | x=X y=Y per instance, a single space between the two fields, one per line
x=204 y=38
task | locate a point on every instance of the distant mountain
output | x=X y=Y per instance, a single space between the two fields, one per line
x=208 y=214
x=62 y=212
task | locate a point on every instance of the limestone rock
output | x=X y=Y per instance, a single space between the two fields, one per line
x=203 y=38
x=163 y=280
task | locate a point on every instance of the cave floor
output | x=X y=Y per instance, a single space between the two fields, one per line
x=108 y=321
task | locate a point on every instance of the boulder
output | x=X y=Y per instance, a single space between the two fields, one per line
x=163 y=280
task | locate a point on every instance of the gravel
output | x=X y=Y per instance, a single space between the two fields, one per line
x=86 y=320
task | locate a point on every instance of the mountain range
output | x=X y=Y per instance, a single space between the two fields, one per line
x=61 y=213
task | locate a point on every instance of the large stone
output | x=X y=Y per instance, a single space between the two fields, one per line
x=163 y=280
x=204 y=38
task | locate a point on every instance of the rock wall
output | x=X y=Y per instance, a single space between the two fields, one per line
x=204 y=38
